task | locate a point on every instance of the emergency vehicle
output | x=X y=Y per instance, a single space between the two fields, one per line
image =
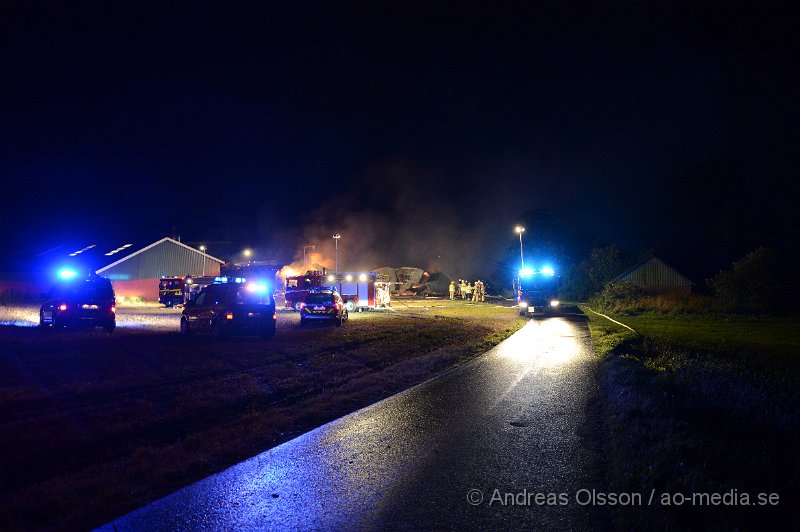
x=170 y=291
x=537 y=291
x=359 y=290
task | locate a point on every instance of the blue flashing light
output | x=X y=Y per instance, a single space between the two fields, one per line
x=257 y=287
x=67 y=273
x=526 y=272
x=547 y=270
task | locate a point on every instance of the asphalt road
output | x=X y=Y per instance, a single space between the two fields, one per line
x=513 y=420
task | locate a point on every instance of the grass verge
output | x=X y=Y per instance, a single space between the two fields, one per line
x=693 y=406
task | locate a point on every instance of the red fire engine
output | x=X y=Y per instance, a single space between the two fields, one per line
x=359 y=290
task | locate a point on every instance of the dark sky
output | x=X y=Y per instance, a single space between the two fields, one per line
x=418 y=132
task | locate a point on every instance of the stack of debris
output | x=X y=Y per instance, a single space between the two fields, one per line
x=414 y=281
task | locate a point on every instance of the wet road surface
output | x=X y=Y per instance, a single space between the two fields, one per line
x=513 y=420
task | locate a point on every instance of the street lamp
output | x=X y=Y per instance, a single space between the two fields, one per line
x=247 y=254
x=203 y=249
x=336 y=238
x=519 y=229
x=304 y=253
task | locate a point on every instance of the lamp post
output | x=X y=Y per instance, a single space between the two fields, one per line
x=519 y=229
x=305 y=264
x=336 y=238
x=203 y=249
x=247 y=254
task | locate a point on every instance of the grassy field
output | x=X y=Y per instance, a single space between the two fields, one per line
x=698 y=405
x=92 y=426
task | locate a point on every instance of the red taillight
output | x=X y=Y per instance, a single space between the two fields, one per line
x=302 y=306
x=62 y=308
x=229 y=315
x=113 y=309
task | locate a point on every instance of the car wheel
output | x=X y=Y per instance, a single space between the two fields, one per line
x=217 y=331
x=350 y=306
x=185 y=327
x=110 y=326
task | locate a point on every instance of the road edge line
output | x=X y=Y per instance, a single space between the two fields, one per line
x=610 y=319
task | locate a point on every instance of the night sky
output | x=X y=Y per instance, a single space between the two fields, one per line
x=422 y=134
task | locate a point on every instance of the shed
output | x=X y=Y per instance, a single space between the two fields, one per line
x=655 y=276
x=136 y=274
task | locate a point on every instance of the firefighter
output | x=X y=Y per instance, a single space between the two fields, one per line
x=463 y=289
x=483 y=292
x=468 y=291
x=476 y=291
x=452 y=290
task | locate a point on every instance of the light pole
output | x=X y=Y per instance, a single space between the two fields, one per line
x=203 y=249
x=336 y=238
x=519 y=229
x=247 y=254
x=305 y=264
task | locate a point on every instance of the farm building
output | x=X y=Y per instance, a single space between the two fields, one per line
x=655 y=276
x=137 y=270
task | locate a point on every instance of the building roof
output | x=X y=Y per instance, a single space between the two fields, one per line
x=673 y=277
x=86 y=256
x=124 y=249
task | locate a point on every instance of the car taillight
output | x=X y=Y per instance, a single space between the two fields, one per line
x=229 y=315
x=274 y=316
x=113 y=309
x=302 y=306
x=62 y=308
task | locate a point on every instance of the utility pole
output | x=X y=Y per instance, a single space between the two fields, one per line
x=336 y=238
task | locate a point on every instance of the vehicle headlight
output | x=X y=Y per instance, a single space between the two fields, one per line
x=522 y=304
x=555 y=303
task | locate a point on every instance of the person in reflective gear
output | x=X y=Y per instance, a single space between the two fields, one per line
x=452 y=289
x=469 y=290
x=476 y=291
x=463 y=289
x=483 y=292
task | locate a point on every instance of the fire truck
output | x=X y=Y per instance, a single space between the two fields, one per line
x=170 y=291
x=359 y=290
x=537 y=291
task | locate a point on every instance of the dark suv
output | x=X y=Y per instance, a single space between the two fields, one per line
x=323 y=305
x=231 y=308
x=80 y=303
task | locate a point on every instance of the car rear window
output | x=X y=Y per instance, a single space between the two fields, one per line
x=83 y=290
x=319 y=298
x=246 y=297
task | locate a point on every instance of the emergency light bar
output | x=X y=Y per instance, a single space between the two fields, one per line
x=67 y=273
x=223 y=279
x=547 y=270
